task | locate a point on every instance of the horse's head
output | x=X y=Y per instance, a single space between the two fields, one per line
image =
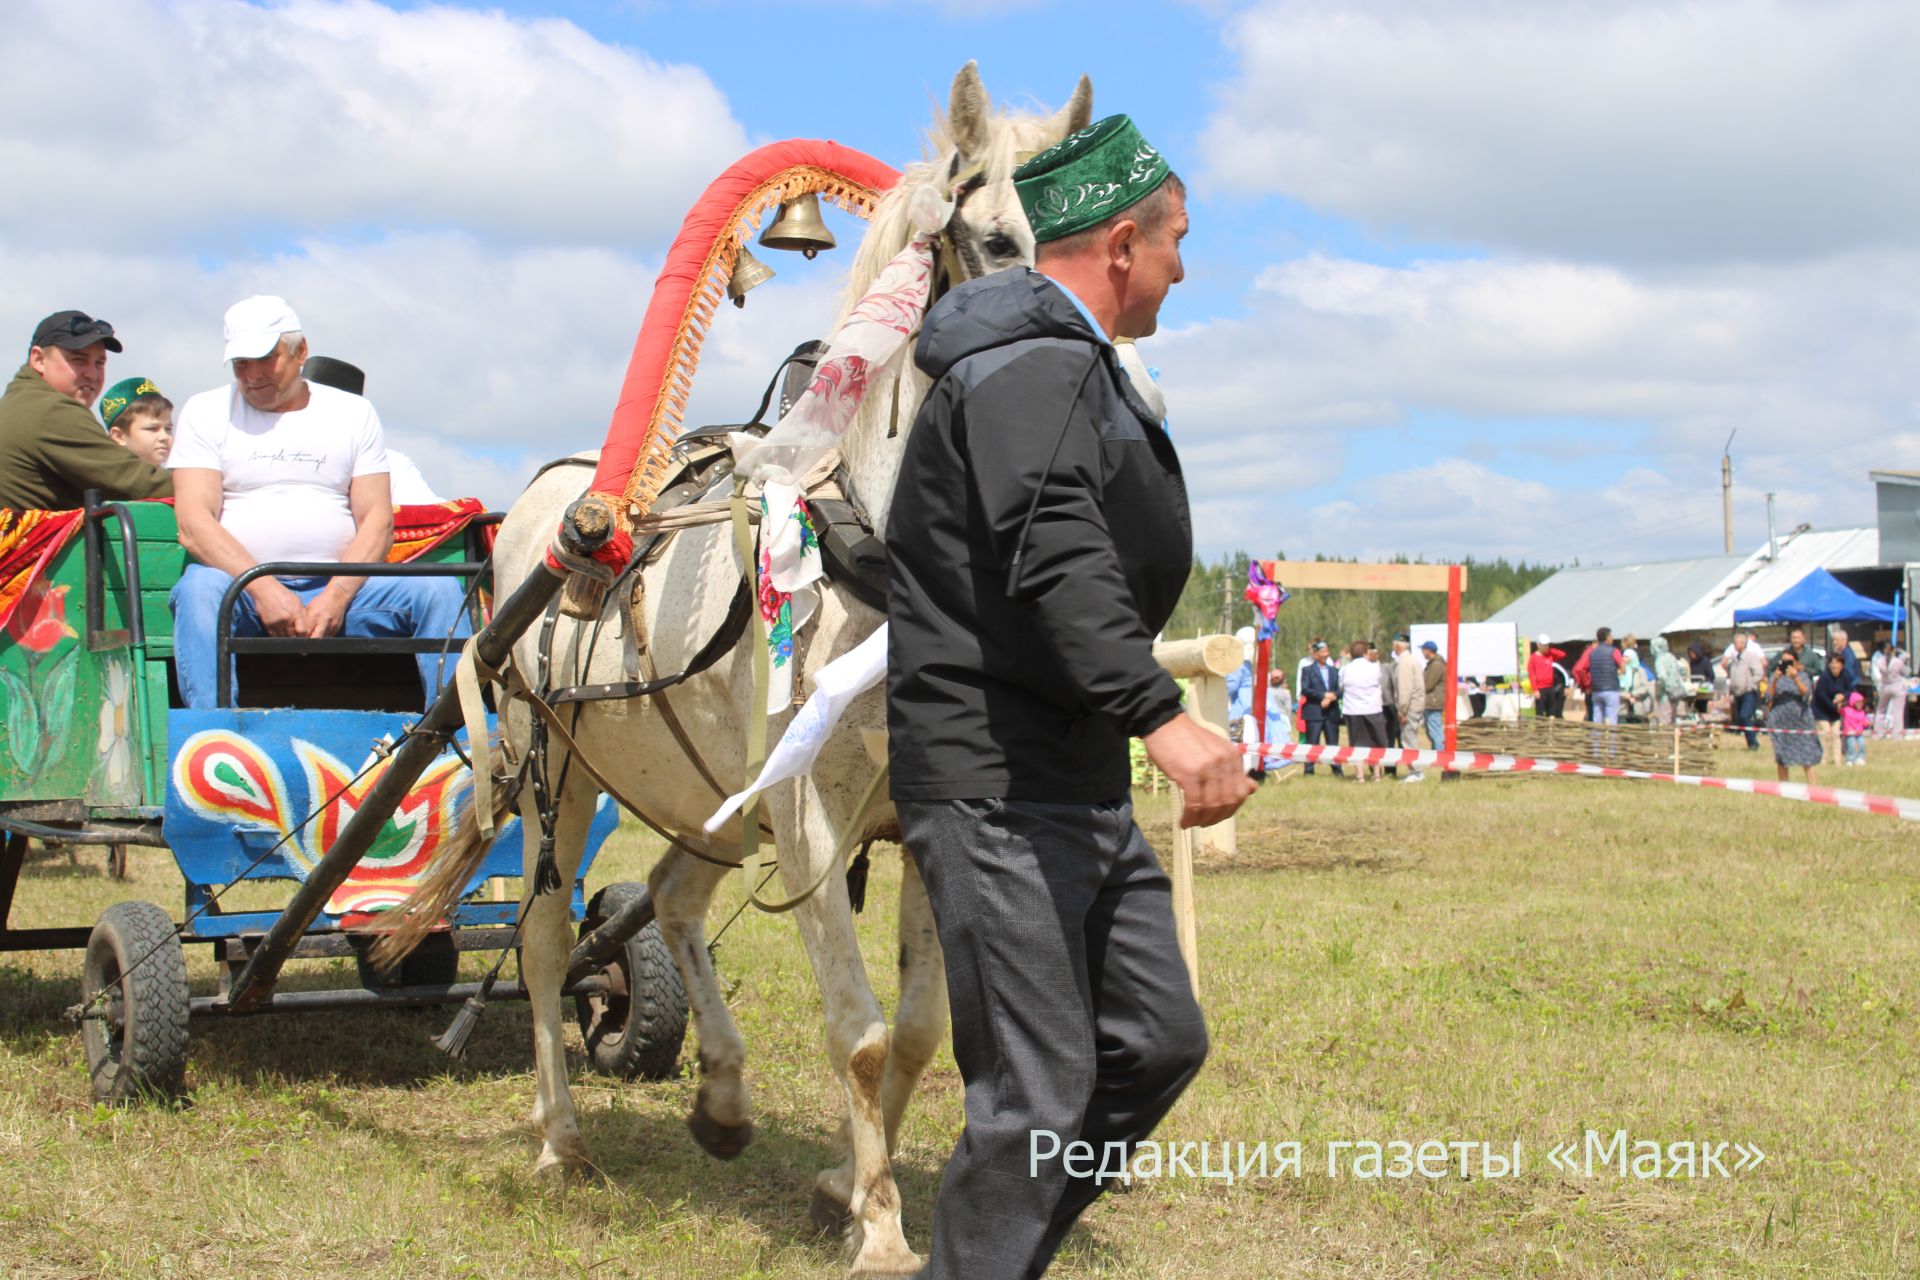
x=989 y=230
x=973 y=151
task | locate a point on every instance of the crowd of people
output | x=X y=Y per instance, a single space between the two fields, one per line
x=285 y=461
x=1383 y=700
x=1816 y=708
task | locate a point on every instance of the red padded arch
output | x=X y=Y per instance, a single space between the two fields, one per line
x=692 y=283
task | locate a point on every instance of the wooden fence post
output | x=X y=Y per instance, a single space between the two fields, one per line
x=1205 y=664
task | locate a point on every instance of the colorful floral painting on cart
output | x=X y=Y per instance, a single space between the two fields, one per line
x=263 y=795
x=66 y=718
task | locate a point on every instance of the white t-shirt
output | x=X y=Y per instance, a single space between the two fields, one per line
x=284 y=475
x=1360 y=688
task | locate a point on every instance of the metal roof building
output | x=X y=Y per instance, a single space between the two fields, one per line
x=1683 y=596
x=1637 y=599
x=1760 y=579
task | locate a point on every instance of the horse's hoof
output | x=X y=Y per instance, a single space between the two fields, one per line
x=909 y=1265
x=554 y=1174
x=721 y=1141
x=829 y=1213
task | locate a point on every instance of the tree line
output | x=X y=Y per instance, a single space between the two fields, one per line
x=1215 y=602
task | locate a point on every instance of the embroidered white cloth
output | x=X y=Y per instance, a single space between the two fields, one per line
x=875 y=331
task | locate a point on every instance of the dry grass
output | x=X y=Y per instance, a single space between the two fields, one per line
x=1495 y=959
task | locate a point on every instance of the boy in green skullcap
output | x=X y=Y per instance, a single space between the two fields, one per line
x=1015 y=684
x=139 y=418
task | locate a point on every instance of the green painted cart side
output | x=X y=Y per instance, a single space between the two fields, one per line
x=75 y=729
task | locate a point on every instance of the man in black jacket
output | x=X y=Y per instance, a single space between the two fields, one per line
x=1320 y=686
x=1038 y=539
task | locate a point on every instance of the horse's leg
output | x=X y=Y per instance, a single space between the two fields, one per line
x=920 y=1018
x=546 y=938
x=919 y=1027
x=857 y=1041
x=682 y=888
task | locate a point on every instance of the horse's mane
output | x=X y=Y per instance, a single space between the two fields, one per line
x=888 y=230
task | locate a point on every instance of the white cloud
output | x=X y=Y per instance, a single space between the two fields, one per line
x=1636 y=131
x=1546 y=376
x=470 y=206
x=220 y=125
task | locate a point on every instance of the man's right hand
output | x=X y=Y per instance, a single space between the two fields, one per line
x=1205 y=766
x=281 y=612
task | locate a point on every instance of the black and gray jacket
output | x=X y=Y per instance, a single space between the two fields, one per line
x=1037 y=541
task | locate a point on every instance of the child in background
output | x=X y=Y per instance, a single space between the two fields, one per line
x=1854 y=723
x=139 y=418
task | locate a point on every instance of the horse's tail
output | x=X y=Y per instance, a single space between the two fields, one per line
x=406 y=926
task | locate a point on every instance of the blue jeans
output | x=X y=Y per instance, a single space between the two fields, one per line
x=1855 y=746
x=1606 y=706
x=1436 y=730
x=1745 y=707
x=383 y=607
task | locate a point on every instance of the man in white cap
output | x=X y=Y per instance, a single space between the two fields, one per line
x=272 y=467
x=1240 y=688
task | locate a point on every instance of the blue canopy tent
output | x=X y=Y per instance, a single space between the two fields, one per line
x=1820 y=597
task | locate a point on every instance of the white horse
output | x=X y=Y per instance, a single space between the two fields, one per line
x=687 y=593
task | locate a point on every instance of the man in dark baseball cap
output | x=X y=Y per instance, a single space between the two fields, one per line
x=75 y=331
x=51 y=447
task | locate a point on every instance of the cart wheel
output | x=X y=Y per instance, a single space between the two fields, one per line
x=635 y=1029
x=434 y=963
x=139 y=1047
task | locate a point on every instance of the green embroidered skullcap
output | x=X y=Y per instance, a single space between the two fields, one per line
x=121 y=394
x=1087 y=178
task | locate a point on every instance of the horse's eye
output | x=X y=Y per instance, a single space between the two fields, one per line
x=1001 y=245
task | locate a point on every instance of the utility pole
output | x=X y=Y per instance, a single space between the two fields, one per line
x=1726 y=490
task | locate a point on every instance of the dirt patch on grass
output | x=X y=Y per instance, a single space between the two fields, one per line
x=1298 y=845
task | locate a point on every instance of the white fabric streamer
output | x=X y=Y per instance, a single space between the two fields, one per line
x=835 y=687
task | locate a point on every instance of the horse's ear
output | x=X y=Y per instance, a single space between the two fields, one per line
x=968 y=110
x=1078 y=113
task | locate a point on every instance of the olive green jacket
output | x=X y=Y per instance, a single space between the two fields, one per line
x=52 y=450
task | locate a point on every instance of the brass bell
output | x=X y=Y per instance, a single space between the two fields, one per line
x=798 y=226
x=748 y=272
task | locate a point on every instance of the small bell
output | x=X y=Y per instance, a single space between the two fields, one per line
x=798 y=226
x=748 y=272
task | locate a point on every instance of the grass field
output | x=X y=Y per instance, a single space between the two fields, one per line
x=1492 y=960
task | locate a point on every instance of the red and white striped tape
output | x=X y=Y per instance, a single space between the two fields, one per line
x=1481 y=762
x=1702 y=727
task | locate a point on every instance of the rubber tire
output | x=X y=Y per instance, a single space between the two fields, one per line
x=142 y=1053
x=643 y=1040
x=434 y=963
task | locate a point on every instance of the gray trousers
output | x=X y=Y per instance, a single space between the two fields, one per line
x=1072 y=1012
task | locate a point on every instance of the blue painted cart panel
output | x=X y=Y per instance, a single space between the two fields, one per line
x=241 y=785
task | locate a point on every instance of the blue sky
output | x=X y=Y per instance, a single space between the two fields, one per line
x=1466 y=276
x=1157 y=62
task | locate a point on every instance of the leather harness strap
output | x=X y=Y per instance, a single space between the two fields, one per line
x=716 y=647
x=516 y=688
x=661 y=703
